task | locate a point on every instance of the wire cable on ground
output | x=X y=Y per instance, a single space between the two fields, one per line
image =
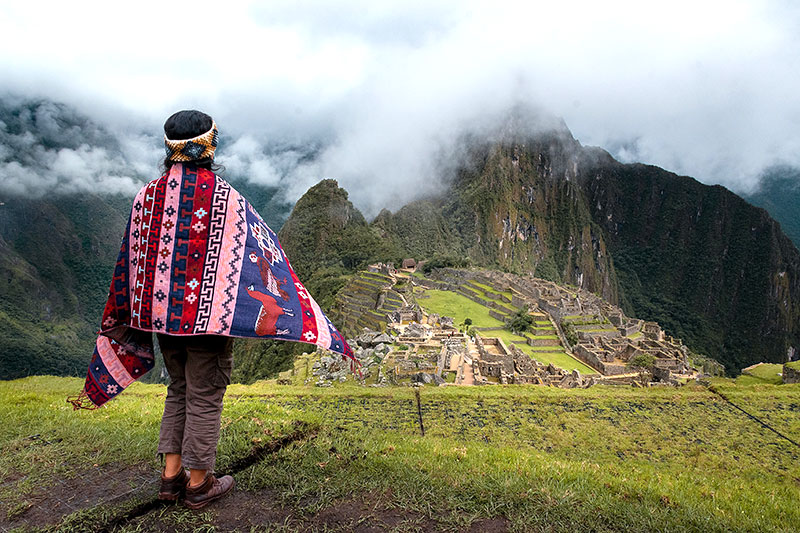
x=766 y=425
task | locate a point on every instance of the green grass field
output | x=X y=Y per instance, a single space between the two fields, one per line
x=496 y=458
x=544 y=354
x=763 y=373
x=459 y=307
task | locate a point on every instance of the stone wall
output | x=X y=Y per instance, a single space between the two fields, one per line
x=497 y=315
x=791 y=372
x=542 y=342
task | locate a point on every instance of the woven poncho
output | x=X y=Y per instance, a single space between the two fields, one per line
x=197 y=259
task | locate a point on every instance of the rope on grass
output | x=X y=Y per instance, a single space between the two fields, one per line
x=419 y=411
x=764 y=424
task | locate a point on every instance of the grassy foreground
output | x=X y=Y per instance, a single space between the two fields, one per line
x=492 y=459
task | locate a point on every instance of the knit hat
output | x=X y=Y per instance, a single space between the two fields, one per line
x=200 y=147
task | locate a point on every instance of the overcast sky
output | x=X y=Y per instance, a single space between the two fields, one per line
x=708 y=89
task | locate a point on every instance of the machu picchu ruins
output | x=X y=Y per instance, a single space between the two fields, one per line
x=575 y=339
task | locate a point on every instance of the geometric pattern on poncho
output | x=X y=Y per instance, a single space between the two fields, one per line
x=197 y=259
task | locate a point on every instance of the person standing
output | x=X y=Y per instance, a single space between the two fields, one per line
x=198 y=266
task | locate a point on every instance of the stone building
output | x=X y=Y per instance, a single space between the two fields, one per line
x=409 y=264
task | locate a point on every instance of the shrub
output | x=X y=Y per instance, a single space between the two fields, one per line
x=520 y=322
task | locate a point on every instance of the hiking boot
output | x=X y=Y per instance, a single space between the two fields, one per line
x=173 y=488
x=209 y=490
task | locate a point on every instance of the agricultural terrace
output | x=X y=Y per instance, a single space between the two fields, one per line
x=459 y=307
x=503 y=458
x=545 y=354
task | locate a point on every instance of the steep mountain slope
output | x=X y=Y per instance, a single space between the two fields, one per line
x=514 y=205
x=326 y=230
x=779 y=194
x=710 y=267
x=56 y=260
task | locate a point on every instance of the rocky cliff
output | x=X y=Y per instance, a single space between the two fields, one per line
x=700 y=260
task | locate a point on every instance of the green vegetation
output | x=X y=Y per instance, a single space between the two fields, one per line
x=325 y=231
x=779 y=193
x=459 y=307
x=763 y=373
x=534 y=458
x=570 y=333
x=642 y=362
x=445 y=261
x=520 y=322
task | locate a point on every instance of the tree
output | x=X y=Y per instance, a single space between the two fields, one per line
x=466 y=323
x=520 y=322
x=642 y=363
x=570 y=332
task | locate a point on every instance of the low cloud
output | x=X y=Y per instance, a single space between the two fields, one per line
x=64 y=171
x=48 y=148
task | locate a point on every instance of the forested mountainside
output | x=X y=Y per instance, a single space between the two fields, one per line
x=711 y=268
x=779 y=194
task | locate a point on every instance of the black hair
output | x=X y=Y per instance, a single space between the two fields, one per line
x=188 y=124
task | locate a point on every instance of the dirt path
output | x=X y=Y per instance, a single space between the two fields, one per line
x=467 y=376
x=98 y=486
x=365 y=513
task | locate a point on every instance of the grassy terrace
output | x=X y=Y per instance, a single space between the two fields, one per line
x=489 y=289
x=544 y=354
x=765 y=373
x=492 y=458
x=459 y=307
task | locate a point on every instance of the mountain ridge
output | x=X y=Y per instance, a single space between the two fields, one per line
x=713 y=269
x=524 y=199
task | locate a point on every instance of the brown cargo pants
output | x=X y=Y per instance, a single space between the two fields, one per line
x=199 y=370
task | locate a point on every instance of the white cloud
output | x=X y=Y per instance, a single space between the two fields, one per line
x=705 y=88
